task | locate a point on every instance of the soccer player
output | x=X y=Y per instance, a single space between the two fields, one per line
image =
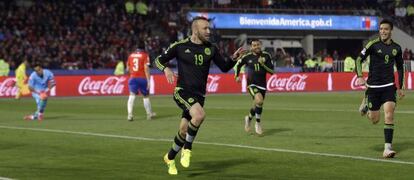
x=40 y=83
x=384 y=54
x=194 y=56
x=21 y=79
x=258 y=64
x=139 y=81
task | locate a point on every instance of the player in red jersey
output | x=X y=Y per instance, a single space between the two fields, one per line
x=139 y=81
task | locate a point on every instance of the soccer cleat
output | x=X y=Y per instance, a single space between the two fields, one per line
x=40 y=117
x=258 y=127
x=28 y=117
x=363 y=109
x=172 y=170
x=185 y=158
x=130 y=118
x=388 y=153
x=150 y=116
x=247 y=126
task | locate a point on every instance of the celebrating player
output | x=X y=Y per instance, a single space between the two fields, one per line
x=194 y=56
x=258 y=63
x=384 y=53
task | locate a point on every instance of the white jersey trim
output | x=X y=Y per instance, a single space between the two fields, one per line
x=260 y=87
x=380 y=86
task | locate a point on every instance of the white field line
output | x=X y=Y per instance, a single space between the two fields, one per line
x=212 y=143
x=4 y=178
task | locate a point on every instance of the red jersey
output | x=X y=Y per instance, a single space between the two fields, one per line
x=136 y=64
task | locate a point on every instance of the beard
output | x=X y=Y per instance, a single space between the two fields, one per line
x=202 y=38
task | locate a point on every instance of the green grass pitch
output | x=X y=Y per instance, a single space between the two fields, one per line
x=307 y=136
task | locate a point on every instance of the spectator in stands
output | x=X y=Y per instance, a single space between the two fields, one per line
x=141 y=8
x=335 y=55
x=327 y=64
x=410 y=9
x=406 y=54
x=310 y=65
x=349 y=64
x=120 y=68
x=129 y=7
x=287 y=60
x=318 y=59
x=4 y=68
x=299 y=59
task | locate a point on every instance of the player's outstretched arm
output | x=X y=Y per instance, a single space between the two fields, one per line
x=223 y=63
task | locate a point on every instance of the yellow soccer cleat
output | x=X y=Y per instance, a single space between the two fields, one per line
x=185 y=158
x=172 y=170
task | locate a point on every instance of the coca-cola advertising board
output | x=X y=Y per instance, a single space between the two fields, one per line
x=105 y=85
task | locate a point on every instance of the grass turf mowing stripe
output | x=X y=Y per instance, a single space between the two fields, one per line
x=212 y=143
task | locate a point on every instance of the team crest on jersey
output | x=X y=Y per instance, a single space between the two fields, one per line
x=379 y=51
x=250 y=61
x=187 y=51
x=190 y=100
x=207 y=51
x=261 y=59
x=394 y=52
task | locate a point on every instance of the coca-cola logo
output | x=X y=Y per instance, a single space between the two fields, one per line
x=7 y=87
x=354 y=84
x=111 y=85
x=212 y=83
x=295 y=82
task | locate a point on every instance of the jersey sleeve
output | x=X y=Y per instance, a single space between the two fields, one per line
x=224 y=63
x=268 y=65
x=51 y=79
x=363 y=56
x=240 y=63
x=31 y=80
x=168 y=54
x=399 y=62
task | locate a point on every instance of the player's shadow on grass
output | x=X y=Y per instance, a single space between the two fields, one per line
x=56 y=117
x=268 y=132
x=209 y=167
x=399 y=146
x=402 y=146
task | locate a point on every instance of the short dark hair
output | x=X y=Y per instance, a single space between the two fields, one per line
x=387 y=21
x=254 y=39
x=199 y=18
x=37 y=64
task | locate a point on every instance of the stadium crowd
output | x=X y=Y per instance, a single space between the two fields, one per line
x=83 y=34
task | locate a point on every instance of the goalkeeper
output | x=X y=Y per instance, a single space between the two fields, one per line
x=40 y=83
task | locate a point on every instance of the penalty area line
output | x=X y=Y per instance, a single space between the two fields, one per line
x=212 y=143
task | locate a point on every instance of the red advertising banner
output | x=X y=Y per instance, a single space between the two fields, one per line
x=106 y=85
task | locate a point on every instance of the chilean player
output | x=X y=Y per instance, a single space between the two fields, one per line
x=41 y=81
x=139 y=81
